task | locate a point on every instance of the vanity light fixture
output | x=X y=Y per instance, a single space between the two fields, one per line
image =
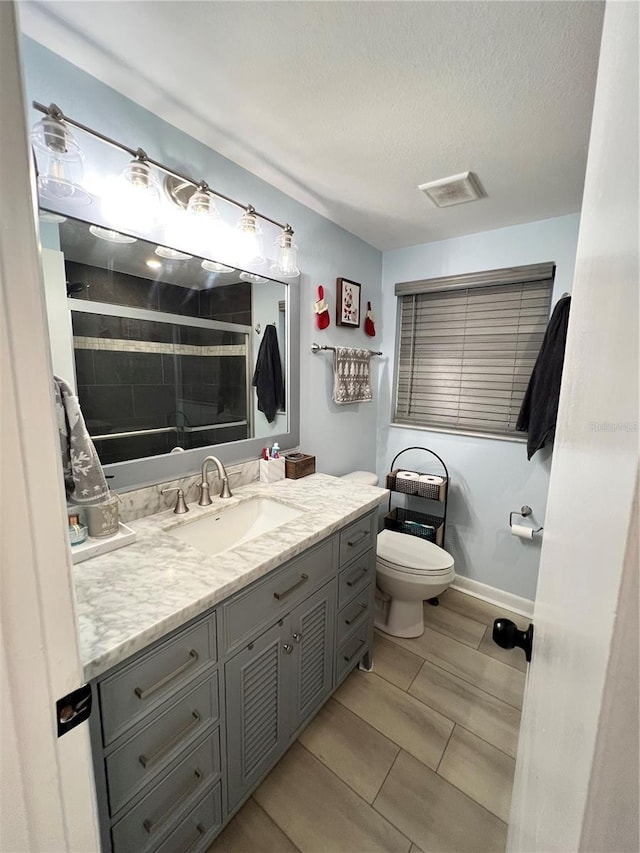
x=59 y=158
x=214 y=266
x=172 y=254
x=153 y=264
x=110 y=235
x=286 y=263
x=52 y=136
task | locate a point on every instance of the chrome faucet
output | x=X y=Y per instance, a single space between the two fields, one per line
x=225 y=492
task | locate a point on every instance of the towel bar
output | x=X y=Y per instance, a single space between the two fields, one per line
x=318 y=348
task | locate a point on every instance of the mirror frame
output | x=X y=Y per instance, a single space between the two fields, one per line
x=151 y=470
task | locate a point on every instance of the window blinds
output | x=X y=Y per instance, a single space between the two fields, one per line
x=466 y=352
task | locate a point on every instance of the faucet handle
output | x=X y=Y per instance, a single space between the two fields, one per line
x=180 y=507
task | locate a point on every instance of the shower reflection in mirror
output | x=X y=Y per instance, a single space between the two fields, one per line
x=160 y=345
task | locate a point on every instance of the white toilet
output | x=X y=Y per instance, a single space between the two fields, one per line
x=409 y=570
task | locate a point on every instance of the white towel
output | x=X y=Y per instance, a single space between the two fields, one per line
x=84 y=478
x=351 y=376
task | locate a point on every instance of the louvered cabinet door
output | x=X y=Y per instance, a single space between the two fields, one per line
x=313 y=627
x=256 y=714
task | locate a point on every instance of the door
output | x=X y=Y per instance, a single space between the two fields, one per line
x=313 y=632
x=257 y=715
x=576 y=783
x=47 y=800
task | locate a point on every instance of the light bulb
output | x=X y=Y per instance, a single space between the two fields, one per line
x=60 y=161
x=249 y=236
x=286 y=263
x=134 y=198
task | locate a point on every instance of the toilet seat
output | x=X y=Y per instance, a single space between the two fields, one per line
x=412 y=555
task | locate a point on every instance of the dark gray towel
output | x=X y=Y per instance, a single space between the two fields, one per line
x=539 y=410
x=267 y=378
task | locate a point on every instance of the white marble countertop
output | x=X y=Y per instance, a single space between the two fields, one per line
x=128 y=598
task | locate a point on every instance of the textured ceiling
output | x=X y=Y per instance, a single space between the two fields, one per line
x=348 y=106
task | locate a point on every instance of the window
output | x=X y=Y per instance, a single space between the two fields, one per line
x=467 y=345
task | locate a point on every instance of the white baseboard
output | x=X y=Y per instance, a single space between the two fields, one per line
x=522 y=606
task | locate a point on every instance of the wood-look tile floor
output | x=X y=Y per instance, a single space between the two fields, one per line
x=416 y=756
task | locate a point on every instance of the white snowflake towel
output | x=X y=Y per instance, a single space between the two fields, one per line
x=351 y=376
x=84 y=479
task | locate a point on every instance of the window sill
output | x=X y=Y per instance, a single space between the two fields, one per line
x=518 y=439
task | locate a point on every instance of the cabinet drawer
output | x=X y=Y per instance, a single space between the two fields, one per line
x=275 y=595
x=352 y=651
x=360 y=573
x=141 y=828
x=129 y=694
x=136 y=762
x=357 y=538
x=197 y=826
x=354 y=614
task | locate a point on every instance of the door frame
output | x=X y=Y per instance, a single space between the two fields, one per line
x=47 y=795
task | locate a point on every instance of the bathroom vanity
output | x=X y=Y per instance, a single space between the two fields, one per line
x=205 y=669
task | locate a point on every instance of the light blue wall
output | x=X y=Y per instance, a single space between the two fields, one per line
x=489 y=477
x=342 y=438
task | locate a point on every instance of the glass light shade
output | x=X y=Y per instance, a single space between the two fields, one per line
x=60 y=162
x=110 y=235
x=172 y=254
x=134 y=198
x=253 y=277
x=214 y=266
x=249 y=240
x=286 y=262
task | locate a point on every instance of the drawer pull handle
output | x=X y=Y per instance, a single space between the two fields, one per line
x=353 y=580
x=200 y=832
x=280 y=595
x=360 y=539
x=152 y=825
x=349 y=620
x=147 y=761
x=349 y=658
x=144 y=693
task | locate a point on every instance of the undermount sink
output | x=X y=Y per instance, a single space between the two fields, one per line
x=235 y=525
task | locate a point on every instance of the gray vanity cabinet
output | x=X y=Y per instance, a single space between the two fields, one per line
x=273 y=685
x=187 y=728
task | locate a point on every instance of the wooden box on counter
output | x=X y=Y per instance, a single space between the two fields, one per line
x=298 y=465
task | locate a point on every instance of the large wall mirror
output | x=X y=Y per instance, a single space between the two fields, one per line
x=161 y=347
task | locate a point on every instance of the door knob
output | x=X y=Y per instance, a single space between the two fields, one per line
x=288 y=648
x=507 y=635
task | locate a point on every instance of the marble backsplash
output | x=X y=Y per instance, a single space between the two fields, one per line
x=140 y=503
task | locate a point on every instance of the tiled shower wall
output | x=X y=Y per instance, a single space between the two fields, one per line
x=138 y=374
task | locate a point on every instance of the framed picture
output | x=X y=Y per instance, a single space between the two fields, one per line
x=347 y=303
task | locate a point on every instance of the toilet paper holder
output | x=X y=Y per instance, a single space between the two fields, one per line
x=525 y=511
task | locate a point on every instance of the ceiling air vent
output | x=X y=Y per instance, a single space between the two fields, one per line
x=457 y=189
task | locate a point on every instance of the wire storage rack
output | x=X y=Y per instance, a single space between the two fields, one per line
x=421 y=484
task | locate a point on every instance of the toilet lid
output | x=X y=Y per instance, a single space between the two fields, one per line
x=412 y=553
x=368 y=478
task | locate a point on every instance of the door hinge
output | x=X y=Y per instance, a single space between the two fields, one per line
x=73 y=709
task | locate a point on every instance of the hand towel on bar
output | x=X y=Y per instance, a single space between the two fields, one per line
x=84 y=479
x=267 y=377
x=539 y=410
x=351 y=376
